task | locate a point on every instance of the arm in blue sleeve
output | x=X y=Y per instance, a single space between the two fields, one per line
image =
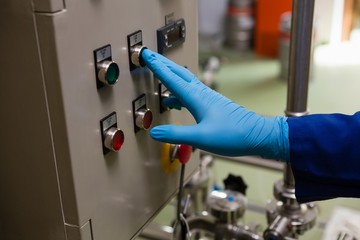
x=325 y=156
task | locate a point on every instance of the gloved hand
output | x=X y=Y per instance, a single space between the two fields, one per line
x=223 y=127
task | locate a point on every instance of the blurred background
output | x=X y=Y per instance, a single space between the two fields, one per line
x=243 y=54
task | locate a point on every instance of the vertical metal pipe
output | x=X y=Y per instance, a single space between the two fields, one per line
x=299 y=65
x=300 y=52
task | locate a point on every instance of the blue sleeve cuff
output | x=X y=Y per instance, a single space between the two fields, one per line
x=325 y=156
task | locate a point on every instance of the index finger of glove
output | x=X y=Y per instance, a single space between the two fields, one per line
x=181 y=71
x=177 y=85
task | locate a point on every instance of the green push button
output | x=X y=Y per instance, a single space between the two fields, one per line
x=112 y=73
x=108 y=72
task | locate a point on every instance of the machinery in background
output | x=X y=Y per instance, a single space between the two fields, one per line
x=211 y=212
x=216 y=212
x=77 y=161
x=240 y=25
x=284 y=44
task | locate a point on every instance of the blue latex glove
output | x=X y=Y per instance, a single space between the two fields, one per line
x=223 y=127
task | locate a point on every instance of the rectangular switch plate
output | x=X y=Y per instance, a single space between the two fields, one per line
x=133 y=40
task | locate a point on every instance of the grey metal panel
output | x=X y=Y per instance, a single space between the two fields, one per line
x=130 y=186
x=49 y=6
x=30 y=206
x=62 y=178
x=50 y=62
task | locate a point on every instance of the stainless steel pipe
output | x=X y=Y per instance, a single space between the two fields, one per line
x=299 y=66
x=299 y=60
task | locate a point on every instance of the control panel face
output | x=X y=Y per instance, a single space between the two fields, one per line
x=100 y=103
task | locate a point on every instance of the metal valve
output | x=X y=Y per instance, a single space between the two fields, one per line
x=227 y=206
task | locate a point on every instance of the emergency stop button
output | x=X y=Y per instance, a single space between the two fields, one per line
x=183 y=153
x=174 y=154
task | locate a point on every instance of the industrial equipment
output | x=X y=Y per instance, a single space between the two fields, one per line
x=76 y=159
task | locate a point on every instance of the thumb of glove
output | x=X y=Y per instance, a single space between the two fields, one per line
x=174 y=134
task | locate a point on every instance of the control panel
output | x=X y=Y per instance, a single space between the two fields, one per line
x=88 y=168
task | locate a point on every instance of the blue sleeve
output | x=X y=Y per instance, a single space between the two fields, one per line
x=325 y=156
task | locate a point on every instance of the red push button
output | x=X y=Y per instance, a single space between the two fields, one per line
x=114 y=139
x=174 y=154
x=184 y=153
x=144 y=118
x=181 y=152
